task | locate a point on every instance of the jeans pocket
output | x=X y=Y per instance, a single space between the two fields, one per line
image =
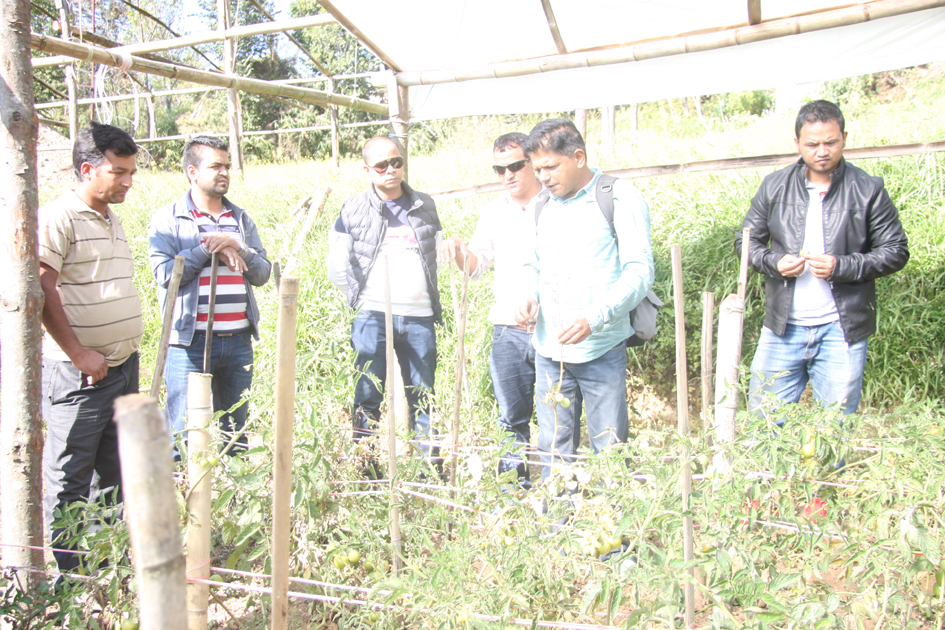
x=246 y=339
x=66 y=380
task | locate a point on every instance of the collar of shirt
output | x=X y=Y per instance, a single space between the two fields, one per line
x=83 y=207
x=227 y=210
x=587 y=190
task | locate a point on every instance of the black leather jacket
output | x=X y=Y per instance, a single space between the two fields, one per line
x=861 y=229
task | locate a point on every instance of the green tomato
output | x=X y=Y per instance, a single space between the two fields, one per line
x=374 y=617
x=809 y=449
x=559 y=397
x=354 y=556
x=564 y=402
x=213 y=461
x=129 y=624
x=603 y=549
x=509 y=541
x=216 y=577
x=340 y=562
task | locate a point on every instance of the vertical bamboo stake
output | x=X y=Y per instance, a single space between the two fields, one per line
x=211 y=306
x=282 y=467
x=333 y=117
x=731 y=325
x=169 y=300
x=397 y=561
x=152 y=512
x=460 y=371
x=232 y=96
x=708 y=326
x=682 y=404
x=580 y=121
x=73 y=108
x=199 y=418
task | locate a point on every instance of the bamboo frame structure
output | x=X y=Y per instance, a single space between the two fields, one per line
x=110 y=57
x=204 y=38
x=200 y=476
x=676 y=45
x=282 y=461
x=351 y=28
x=726 y=164
x=682 y=411
x=151 y=506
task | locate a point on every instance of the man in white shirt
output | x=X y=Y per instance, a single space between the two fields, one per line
x=503 y=237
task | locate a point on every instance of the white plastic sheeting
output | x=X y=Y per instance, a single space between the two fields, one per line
x=875 y=46
x=460 y=34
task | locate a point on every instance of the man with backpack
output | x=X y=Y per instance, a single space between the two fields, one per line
x=587 y=269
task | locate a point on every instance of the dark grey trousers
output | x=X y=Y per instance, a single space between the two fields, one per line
x=80 y=459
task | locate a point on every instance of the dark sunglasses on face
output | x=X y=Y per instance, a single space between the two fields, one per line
x=514 y=167
x=381 y=167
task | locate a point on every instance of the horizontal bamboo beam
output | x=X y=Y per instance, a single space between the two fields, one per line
x=677 y=45
x=203 y=38
x=130 y=97
x=260 y=132
x=113 y=57
x=353 y=29
x=727 y=164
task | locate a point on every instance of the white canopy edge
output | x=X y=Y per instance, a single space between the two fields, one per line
x=875 y=46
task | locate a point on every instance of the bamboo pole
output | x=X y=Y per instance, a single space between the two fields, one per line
x=21 y=306
x=676 y=44
x=169 y=300
x=211 y=307
x=682 y=410
x=731 y=325
x=335 y=137
x=232 y=97
x=72 y=112
x=180 y=91
x=608 y=124
x=113 y=57
x=152 y=120
x=399 y=112
x=396 y=548
x=361 y=37
x=580 y=121
x=728 y=164
x=460 y=371
x=553 y=26
x=314 y=211
x=200 y=476
x=203 y=38
x=705 y=359
x=282 y=466
x=151 y=508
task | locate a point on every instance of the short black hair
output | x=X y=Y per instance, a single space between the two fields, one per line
x=191 y=155
x=818 y=111
x=376 y=139
x=555 y=135
x=92 y=142
x=510 y=140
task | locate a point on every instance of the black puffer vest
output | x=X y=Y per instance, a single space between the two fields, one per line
x=366 y=221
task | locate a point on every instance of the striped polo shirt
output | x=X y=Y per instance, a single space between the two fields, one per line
x=96 y=278
x=229 y=311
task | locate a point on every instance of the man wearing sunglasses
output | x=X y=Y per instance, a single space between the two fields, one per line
x=389 y=222
x=502 y=238
x=582 y=278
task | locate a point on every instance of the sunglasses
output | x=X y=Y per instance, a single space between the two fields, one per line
x=381 y=167
x=514 y=167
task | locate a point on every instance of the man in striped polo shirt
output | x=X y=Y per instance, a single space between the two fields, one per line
x=201 y=223
x=92 y=318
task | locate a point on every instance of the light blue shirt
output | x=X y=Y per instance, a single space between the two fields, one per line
x=576 y=268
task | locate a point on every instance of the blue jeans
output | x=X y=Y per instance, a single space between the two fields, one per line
x=782 y=366
x=231 y=365
x=603 y=383
x=80 y=457
x=415 y=345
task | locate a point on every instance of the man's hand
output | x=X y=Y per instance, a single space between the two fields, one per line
x=578 y=331
x=791 y=266
x=527 y=311
x=92 y=363
x=232 y=260
x=450 y=249
x=215 y=242
x=821 y=265
x=453 y=248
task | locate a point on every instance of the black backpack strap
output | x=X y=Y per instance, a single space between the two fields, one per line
x=605 y=199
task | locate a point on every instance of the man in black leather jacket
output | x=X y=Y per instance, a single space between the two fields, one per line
x=822 y=231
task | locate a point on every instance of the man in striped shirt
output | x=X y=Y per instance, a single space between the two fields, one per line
x=202 y=223
x=92 y=317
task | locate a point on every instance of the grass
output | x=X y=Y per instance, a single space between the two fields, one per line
x=761 y=560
